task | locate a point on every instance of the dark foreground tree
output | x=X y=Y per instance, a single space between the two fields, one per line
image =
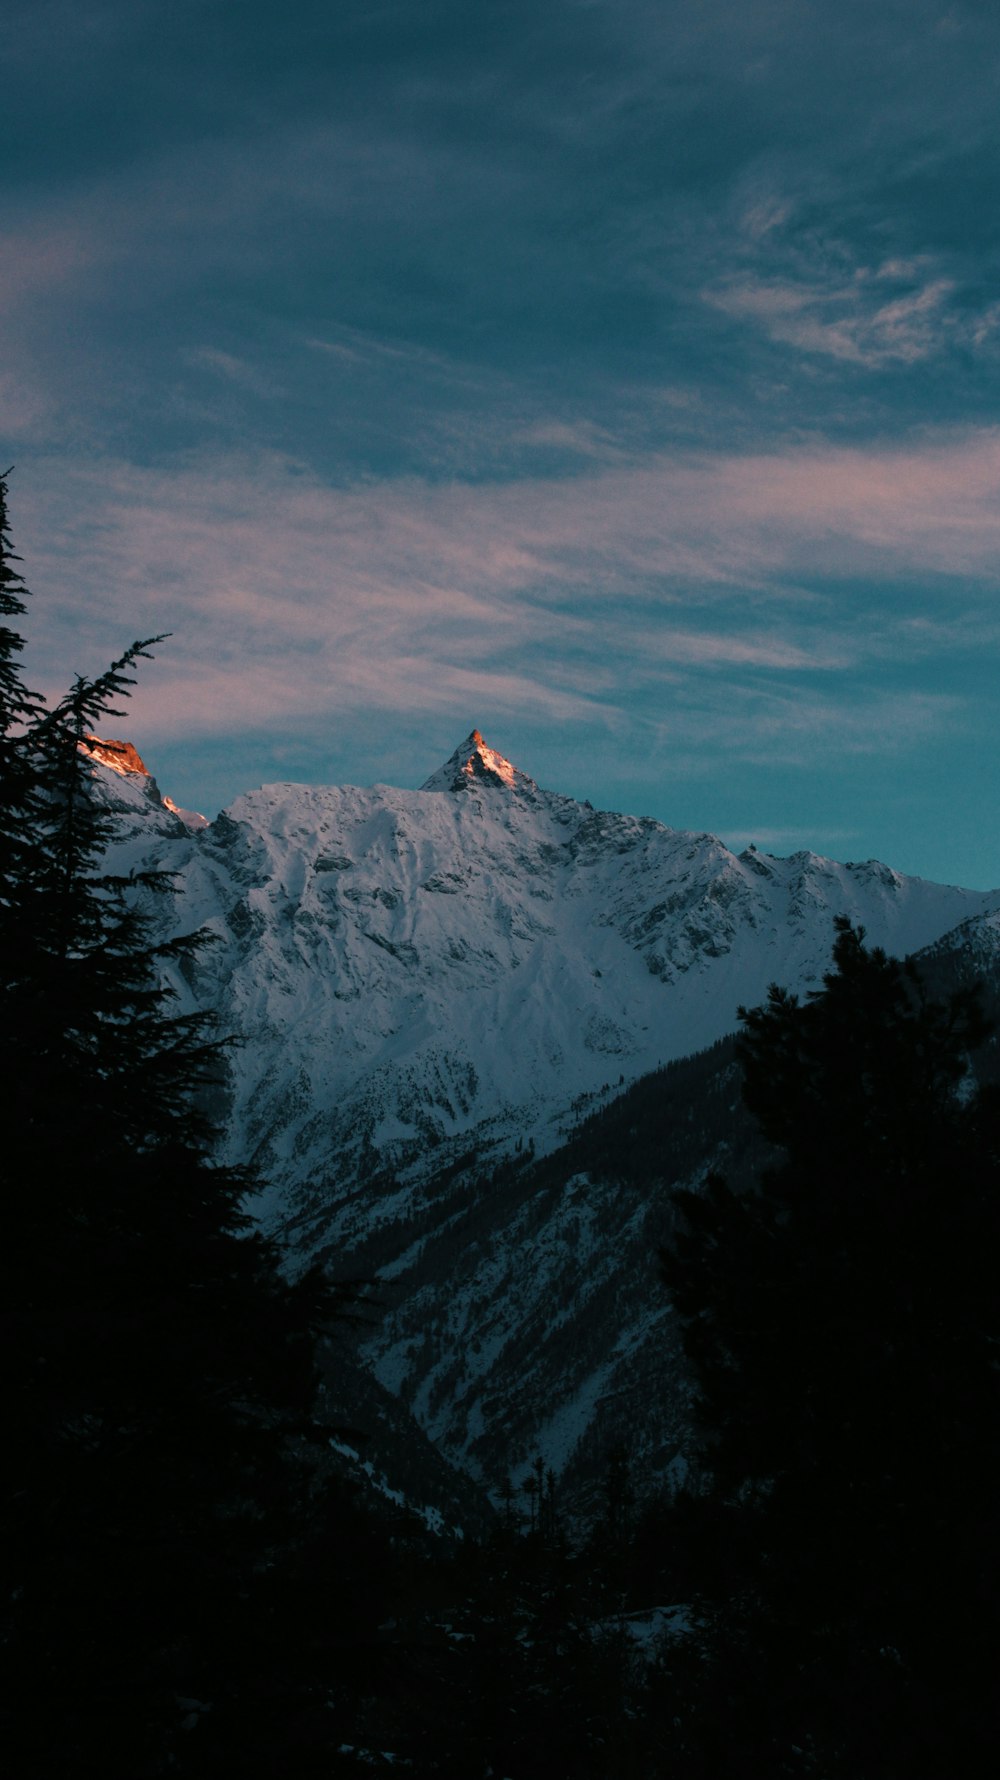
x=181 y=1592
x=842 y=1326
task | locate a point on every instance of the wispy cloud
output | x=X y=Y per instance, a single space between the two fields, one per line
x=751 y=649
x=625 y=372
x=232 y=368
x=787 y=840
x=853 y=322
x=291 y=600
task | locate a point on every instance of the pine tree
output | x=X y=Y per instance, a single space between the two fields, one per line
x=842 y=1327
x=177 y=1582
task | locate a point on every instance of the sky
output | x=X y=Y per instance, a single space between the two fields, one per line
x=619 y=377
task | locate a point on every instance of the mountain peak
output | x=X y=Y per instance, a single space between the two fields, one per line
x=473 y=762
x=125 y=760
x=122 y=757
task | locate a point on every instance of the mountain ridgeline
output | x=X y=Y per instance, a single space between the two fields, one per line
x=483 y=1030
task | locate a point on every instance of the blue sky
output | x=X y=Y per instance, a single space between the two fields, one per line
x=620 y=378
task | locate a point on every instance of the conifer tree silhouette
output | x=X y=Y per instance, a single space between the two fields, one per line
x=175 y=1581
x=842 y=1327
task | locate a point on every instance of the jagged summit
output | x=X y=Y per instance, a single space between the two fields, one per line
x=125 y=760
x=122 y=757
x=475 y=763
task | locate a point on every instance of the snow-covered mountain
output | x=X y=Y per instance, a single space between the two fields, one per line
x=432 y=985
x=408 y=970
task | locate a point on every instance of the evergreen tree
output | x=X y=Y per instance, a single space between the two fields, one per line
x=841 y=1323
x=18 y=778
x=181 y=1590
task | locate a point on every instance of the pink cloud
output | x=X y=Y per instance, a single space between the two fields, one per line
x=847 y=321
x=289 y=599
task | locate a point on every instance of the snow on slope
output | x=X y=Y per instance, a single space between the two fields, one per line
x=417 y=975
x=406 y=967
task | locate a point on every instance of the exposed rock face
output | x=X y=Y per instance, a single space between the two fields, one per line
x=122 y=757
x=125 y=760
